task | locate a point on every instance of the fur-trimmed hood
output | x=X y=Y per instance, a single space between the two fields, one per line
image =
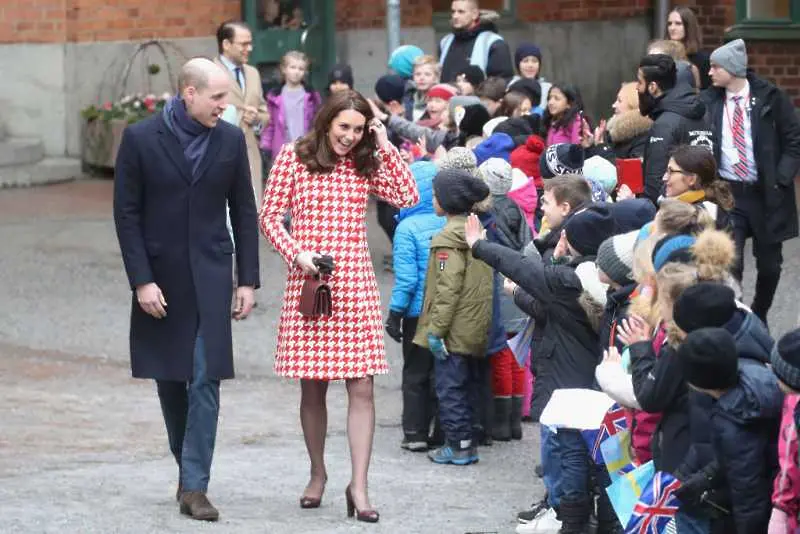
x=627 y=125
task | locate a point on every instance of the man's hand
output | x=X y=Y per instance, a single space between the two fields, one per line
x=394 y=325
x=437 y=347
x=152 y=300
x=249 y=115
x=562 y=250
x=245 y=298
x=509 y=286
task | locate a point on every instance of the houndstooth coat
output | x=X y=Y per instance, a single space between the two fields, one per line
x=329 y=217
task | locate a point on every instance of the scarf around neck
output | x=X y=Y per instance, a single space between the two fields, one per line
x=192 y=136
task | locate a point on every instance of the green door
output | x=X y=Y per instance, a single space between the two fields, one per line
x=283 y=25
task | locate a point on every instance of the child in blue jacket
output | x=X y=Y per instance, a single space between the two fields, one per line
x=411 y=247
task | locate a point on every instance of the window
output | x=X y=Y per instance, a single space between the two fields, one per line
x=766 y=20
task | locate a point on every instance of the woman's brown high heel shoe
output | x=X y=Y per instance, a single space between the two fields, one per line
x=312 y=502
x=367 y=516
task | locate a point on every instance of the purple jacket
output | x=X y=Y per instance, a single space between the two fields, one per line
x=273 y=137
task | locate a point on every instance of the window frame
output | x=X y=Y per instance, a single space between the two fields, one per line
x=765 y=29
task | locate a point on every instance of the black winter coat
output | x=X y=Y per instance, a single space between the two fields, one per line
x=776 y=146
x=745 y=423
x=617 y=304
x=564 y=347
x=172 y=231
x=678 y=119
x=458 y=56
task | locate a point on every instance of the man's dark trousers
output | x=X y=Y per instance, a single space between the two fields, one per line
x=190 y=413
x=749 y=220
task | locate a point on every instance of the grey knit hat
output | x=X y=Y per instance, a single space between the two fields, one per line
x=460 y=158
x=615 y=257
x=496 y=173
x=785 y=359
x=457 y=191
x=732 y=57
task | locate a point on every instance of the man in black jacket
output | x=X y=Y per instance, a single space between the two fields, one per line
x=757 y=148
x=677 y=113
x=473 y=42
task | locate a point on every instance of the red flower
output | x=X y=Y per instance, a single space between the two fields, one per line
x=107 y=106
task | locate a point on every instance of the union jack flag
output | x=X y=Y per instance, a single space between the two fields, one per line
x=656 y=507
x=613 y=422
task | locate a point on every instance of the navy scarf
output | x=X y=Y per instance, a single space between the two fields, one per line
x=192 y=136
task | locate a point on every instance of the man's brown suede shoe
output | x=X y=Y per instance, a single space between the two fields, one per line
x=197 y=506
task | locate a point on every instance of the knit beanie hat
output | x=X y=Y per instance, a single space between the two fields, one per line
x=341 y=73
x=526 y=158
x=561 y=158
x=460 y=158
x=497 y=174
x=785 y=359
x=615 y=257
x=498 y=145
x=402 y=60
x=390 y=88
x=473 y=74
x=524 y=50
x=518 y=128
x=457 y=104
x=709 y=359
x=633 y=213
x=704 y=305
x=457 y=191
x=473 y=121
x=732 y=57
x=673 y=248
x=588 y=228
x=602 y=171
x=442 y=90
x=530 y=88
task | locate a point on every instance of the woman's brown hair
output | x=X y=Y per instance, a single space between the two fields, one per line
x=700 y=161
x=693 y=37
x=314 y=149
x=511 y=102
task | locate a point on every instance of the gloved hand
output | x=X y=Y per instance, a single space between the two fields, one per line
x=778 y=522
x=392 y=325
x=436 y=346
x=694 y=487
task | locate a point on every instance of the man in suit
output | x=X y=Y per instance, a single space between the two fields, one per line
x=757 y=148
x=175 y=172
x=235 y=42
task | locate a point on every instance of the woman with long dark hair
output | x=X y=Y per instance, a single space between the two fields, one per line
x=682 y=26
x=691 y=176
x=324 y=180
x=563 y=118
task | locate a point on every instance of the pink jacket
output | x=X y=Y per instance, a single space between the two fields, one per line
x=644 y=423
x=273 y=137
x=786 y=492
x=568 y=134
x=527 y=198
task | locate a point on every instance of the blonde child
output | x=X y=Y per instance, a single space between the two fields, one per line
x=426 y=74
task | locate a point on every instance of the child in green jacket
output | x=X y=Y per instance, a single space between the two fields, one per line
x=456 y=313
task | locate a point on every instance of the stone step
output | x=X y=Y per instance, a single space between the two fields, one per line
x=45 y=171
x=20 y=151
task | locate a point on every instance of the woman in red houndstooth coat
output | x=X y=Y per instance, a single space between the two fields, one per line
x=325 y=181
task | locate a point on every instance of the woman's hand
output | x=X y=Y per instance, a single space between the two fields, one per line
x=305 y=260
x=473 y=230
x=377 y=129
x=632 y=330
x=600 y=133
x=587 y=138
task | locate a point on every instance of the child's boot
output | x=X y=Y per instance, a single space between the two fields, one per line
x=501 y=426
x=516 y=418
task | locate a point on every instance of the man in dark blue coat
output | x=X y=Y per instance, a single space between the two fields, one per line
x=174 y=174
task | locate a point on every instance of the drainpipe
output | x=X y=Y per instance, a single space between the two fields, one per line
x=392 y=25
x=660 y=14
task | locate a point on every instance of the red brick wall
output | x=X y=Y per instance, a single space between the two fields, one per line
x=565 y=10
x=23 y=21
x=361 y=14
